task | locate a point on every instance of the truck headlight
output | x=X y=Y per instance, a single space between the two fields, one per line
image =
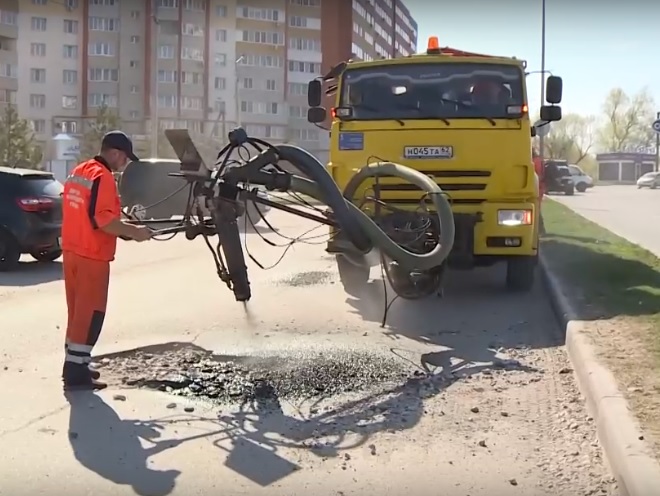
x=514 y=217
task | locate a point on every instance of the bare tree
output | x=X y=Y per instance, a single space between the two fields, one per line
x=571 y=139
x=626 y=121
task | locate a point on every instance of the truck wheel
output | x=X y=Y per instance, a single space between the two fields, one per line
x=10 y=253
x=46 y=256
x=353 y=274
x=520 y=272
x=581 y=187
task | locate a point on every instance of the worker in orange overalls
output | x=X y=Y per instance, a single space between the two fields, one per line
x=540 y=173
x=91 y=225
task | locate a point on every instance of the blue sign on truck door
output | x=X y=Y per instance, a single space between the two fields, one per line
x=351 y=141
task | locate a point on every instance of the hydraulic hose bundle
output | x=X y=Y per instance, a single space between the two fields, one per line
x=229 y=184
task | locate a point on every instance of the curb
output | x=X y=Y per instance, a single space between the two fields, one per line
x=629 y=457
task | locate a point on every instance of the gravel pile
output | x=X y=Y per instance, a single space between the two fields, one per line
x=196 y=373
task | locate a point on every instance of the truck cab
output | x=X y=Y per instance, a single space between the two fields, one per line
x=461 y=118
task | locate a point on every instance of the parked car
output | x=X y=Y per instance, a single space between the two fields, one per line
x=30 y=216
x=649 y=180
x=558 y=178
x=581 y=180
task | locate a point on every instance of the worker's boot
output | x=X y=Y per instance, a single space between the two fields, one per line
x=78 y=376
x=95 y=374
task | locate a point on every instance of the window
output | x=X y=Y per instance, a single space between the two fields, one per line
x=306 y=44
x=221 y=10
x=8 y=18
x=306 y=134
x=297 y=89
x=71 y=4
x=135 y=14
x=221 y=35
x=167 y=4
x=263 y=37
x=103 y=75
x=191 y=103
x=306 y=3
x=297 y=112
x=220 y=106
x=221 y=59
x=167 y=101
x=134 y=114
x=70 y=127
x=259 y=14
x=103 y=24
x=38 y=24
x=194 y=5
x=135 y=39
x=272 y=108
x=192 y=53
x=70 y=26
x=37 y=101
x=167 y=76
x=271 y=85
x=38 y=49
x=38 y=75
x=188 y=77
x=190 y=29
x=220 y=83
x=102 y=99
x=134 y=89
x=70 y=51
x=166 y=52
x=308 y=67
x=70 y=102
x=107 y=3
x=69 y=76
x=133 y=63
x=247 y=83
x=9 y=71
x=100 y=49
x=247 y=107
x=39 y=126
x=253 y=60
x=304 y=22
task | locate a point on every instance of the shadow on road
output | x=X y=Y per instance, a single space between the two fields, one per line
x=475 y=316
x=109 y=446
x=32 y=274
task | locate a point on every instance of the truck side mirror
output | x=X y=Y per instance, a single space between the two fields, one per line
x=550 y=113
x=314 y=93
x=554 y=87
x=316 y=115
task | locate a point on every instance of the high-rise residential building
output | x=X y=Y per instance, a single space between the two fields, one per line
x=203 y=64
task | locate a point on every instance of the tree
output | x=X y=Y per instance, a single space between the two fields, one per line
x=106 y=120
x=18 y=144
x=627 y=121
x=571 y=139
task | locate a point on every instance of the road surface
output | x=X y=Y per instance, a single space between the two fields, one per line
x=499 y=414
x=623 y=209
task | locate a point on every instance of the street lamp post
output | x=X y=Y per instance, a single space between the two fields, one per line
x=155 y=127
x=238 y=100
x=541 y=137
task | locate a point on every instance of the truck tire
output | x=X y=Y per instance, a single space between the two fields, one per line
x=581 y=187
x=520 y=272
x=354 y=275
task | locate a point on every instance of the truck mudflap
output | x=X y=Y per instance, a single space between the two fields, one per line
x=462 y=255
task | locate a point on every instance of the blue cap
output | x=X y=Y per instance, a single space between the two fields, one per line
x=119 y=141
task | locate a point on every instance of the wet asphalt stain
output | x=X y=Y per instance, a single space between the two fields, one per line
x=311 y=278
x=193 y=372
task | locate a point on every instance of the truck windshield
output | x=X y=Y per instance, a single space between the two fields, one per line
x=448 y=90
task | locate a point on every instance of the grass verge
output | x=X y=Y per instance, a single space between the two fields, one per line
x=615 y=287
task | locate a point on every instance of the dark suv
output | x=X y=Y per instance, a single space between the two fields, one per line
x=30 y=216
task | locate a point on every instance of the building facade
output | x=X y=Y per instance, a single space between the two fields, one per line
x=203 y=64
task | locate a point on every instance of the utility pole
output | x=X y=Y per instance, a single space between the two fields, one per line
x=155 y=125
x=656 y=128
x=238 y=99
x=541 y=136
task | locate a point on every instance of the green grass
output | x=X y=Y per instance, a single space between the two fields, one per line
x=607 y=275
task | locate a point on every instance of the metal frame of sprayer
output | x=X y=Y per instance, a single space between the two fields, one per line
x=224 y=191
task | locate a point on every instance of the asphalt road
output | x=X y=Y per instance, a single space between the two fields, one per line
x=625 y=210
x=499 y=414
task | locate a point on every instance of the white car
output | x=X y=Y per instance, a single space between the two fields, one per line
x=649 y=180
x=581 y=180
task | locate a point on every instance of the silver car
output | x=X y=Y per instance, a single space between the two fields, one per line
x=649 y=180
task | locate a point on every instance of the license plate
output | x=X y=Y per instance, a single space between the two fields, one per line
x=428 y=152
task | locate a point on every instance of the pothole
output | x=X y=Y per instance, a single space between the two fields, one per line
x=187 y=370
x=310 y=278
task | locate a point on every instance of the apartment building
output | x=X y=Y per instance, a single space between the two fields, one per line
x=204 y=64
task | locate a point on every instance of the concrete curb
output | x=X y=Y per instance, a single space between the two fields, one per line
x=629 y=457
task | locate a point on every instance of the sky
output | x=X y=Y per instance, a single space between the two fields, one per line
x=593 y=45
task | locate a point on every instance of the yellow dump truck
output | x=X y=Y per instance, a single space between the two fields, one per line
x=461 y=118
